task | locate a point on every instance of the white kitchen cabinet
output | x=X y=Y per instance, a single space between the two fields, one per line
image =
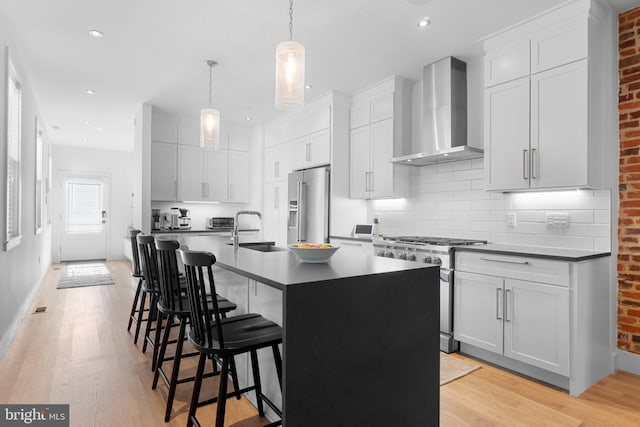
x=164 y=132
x=277 y=162
x=379 y=131
x=193 y=184
x=207 y=175
x=238 y=177
x=164 y=171
x=559 y=127
x=551 y=67
x=535 y=314
x=312 y=150
x=523 y=320
x=275 y=212
x=507 y=147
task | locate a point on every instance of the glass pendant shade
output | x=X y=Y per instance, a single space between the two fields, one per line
x=289 y=76
x=210 y=128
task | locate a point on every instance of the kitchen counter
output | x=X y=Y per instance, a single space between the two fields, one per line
x=360 y=334
x=200 y=230
x=355 y=239
x=536 y=251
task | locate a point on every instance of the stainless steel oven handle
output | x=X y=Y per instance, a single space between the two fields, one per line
x=446 y=276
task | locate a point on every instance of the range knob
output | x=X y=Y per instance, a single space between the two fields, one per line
x=390 y=254
x=402 y=255
x=427 y=260
x=412 y=257
x=437 y=261
x=381 y=252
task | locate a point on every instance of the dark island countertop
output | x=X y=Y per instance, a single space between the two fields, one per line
x=281 y=268
x=559 y=254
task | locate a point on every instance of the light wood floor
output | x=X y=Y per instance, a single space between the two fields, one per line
x=79 y=352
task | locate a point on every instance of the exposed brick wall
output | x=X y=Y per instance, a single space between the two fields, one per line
x=629 y=189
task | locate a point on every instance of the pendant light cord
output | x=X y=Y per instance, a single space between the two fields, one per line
x=210 y=85
x=290 y=20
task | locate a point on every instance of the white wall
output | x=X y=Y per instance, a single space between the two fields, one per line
x=24 y=266
x=120 y=166
x=448 y=200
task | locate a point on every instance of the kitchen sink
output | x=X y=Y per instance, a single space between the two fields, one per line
x=260 y=246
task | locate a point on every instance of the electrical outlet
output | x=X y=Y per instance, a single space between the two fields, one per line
x=557 y=219
x=511 y=219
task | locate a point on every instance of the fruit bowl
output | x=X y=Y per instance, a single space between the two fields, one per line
x=310 y=252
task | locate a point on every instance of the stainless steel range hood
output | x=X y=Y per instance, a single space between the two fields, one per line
x=444 y=116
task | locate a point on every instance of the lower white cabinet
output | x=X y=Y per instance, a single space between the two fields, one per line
x=523 y=320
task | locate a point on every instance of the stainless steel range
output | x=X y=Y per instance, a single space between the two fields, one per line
x=430 y=250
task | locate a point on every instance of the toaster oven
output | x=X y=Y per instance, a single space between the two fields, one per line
x=220 y=223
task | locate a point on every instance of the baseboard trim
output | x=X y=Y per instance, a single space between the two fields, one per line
x=629 y=362
x=11 y=333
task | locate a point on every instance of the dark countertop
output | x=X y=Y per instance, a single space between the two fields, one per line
x=535 y=251
x=281 y=268
x=355 y=239
x=200 y=230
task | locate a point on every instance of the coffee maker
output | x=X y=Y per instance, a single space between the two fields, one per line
x=184 y=221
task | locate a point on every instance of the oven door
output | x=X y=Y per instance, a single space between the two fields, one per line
x=447 y=343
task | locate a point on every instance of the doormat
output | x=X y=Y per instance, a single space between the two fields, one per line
x=452 y=368
x=77 y=275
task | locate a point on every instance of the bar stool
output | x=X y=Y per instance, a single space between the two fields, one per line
x=213 y=335
x=136 y=273
x=173 y=304
x=149 y=262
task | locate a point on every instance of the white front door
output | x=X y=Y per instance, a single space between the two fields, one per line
x=84 y=228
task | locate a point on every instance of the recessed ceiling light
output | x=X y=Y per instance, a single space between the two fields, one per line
x=308 y=86
x=86 y=122
x=89 y=91
x=248 y=118
x=424 y=22
x=84 y=139
x=96 y=33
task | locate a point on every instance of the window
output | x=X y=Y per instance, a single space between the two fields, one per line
x=84 y=207
x=14 y=123
x=39 y=193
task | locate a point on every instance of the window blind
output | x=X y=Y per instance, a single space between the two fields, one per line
x=84 y=207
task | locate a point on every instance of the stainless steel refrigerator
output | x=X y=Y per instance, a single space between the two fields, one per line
x=308 y=200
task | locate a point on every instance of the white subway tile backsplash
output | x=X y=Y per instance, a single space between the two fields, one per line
x=449 y=200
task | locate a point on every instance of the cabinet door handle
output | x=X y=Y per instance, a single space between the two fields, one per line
x=308 y=154
x=525 y=164
x=276 y=169
x=507 y=305
x=508 y=261
x=533 y=163
x=498 y=291
x=366 y=181
x=371 y=181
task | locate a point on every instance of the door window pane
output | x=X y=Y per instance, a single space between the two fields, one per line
x=84 y=207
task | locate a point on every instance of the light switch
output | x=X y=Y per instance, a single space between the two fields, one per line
x=557 y=219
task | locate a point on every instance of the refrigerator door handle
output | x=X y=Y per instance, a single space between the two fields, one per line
x=302 y=211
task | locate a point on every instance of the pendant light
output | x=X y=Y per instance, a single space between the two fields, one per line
x=290 y=71
x=210 y=120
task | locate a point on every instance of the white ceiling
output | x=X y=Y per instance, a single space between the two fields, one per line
x=153 y=51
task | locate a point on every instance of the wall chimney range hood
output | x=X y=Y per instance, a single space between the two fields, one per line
x=444 y=116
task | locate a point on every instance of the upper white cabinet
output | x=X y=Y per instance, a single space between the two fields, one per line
x=380 y=130
x=546 y=82
x=164 y=178
x=312 y=150
x=277 y=162
x=183 y=171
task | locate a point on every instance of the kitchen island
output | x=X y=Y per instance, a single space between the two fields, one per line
x=360 y=334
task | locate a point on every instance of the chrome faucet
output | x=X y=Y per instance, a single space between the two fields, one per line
x=234 y=236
